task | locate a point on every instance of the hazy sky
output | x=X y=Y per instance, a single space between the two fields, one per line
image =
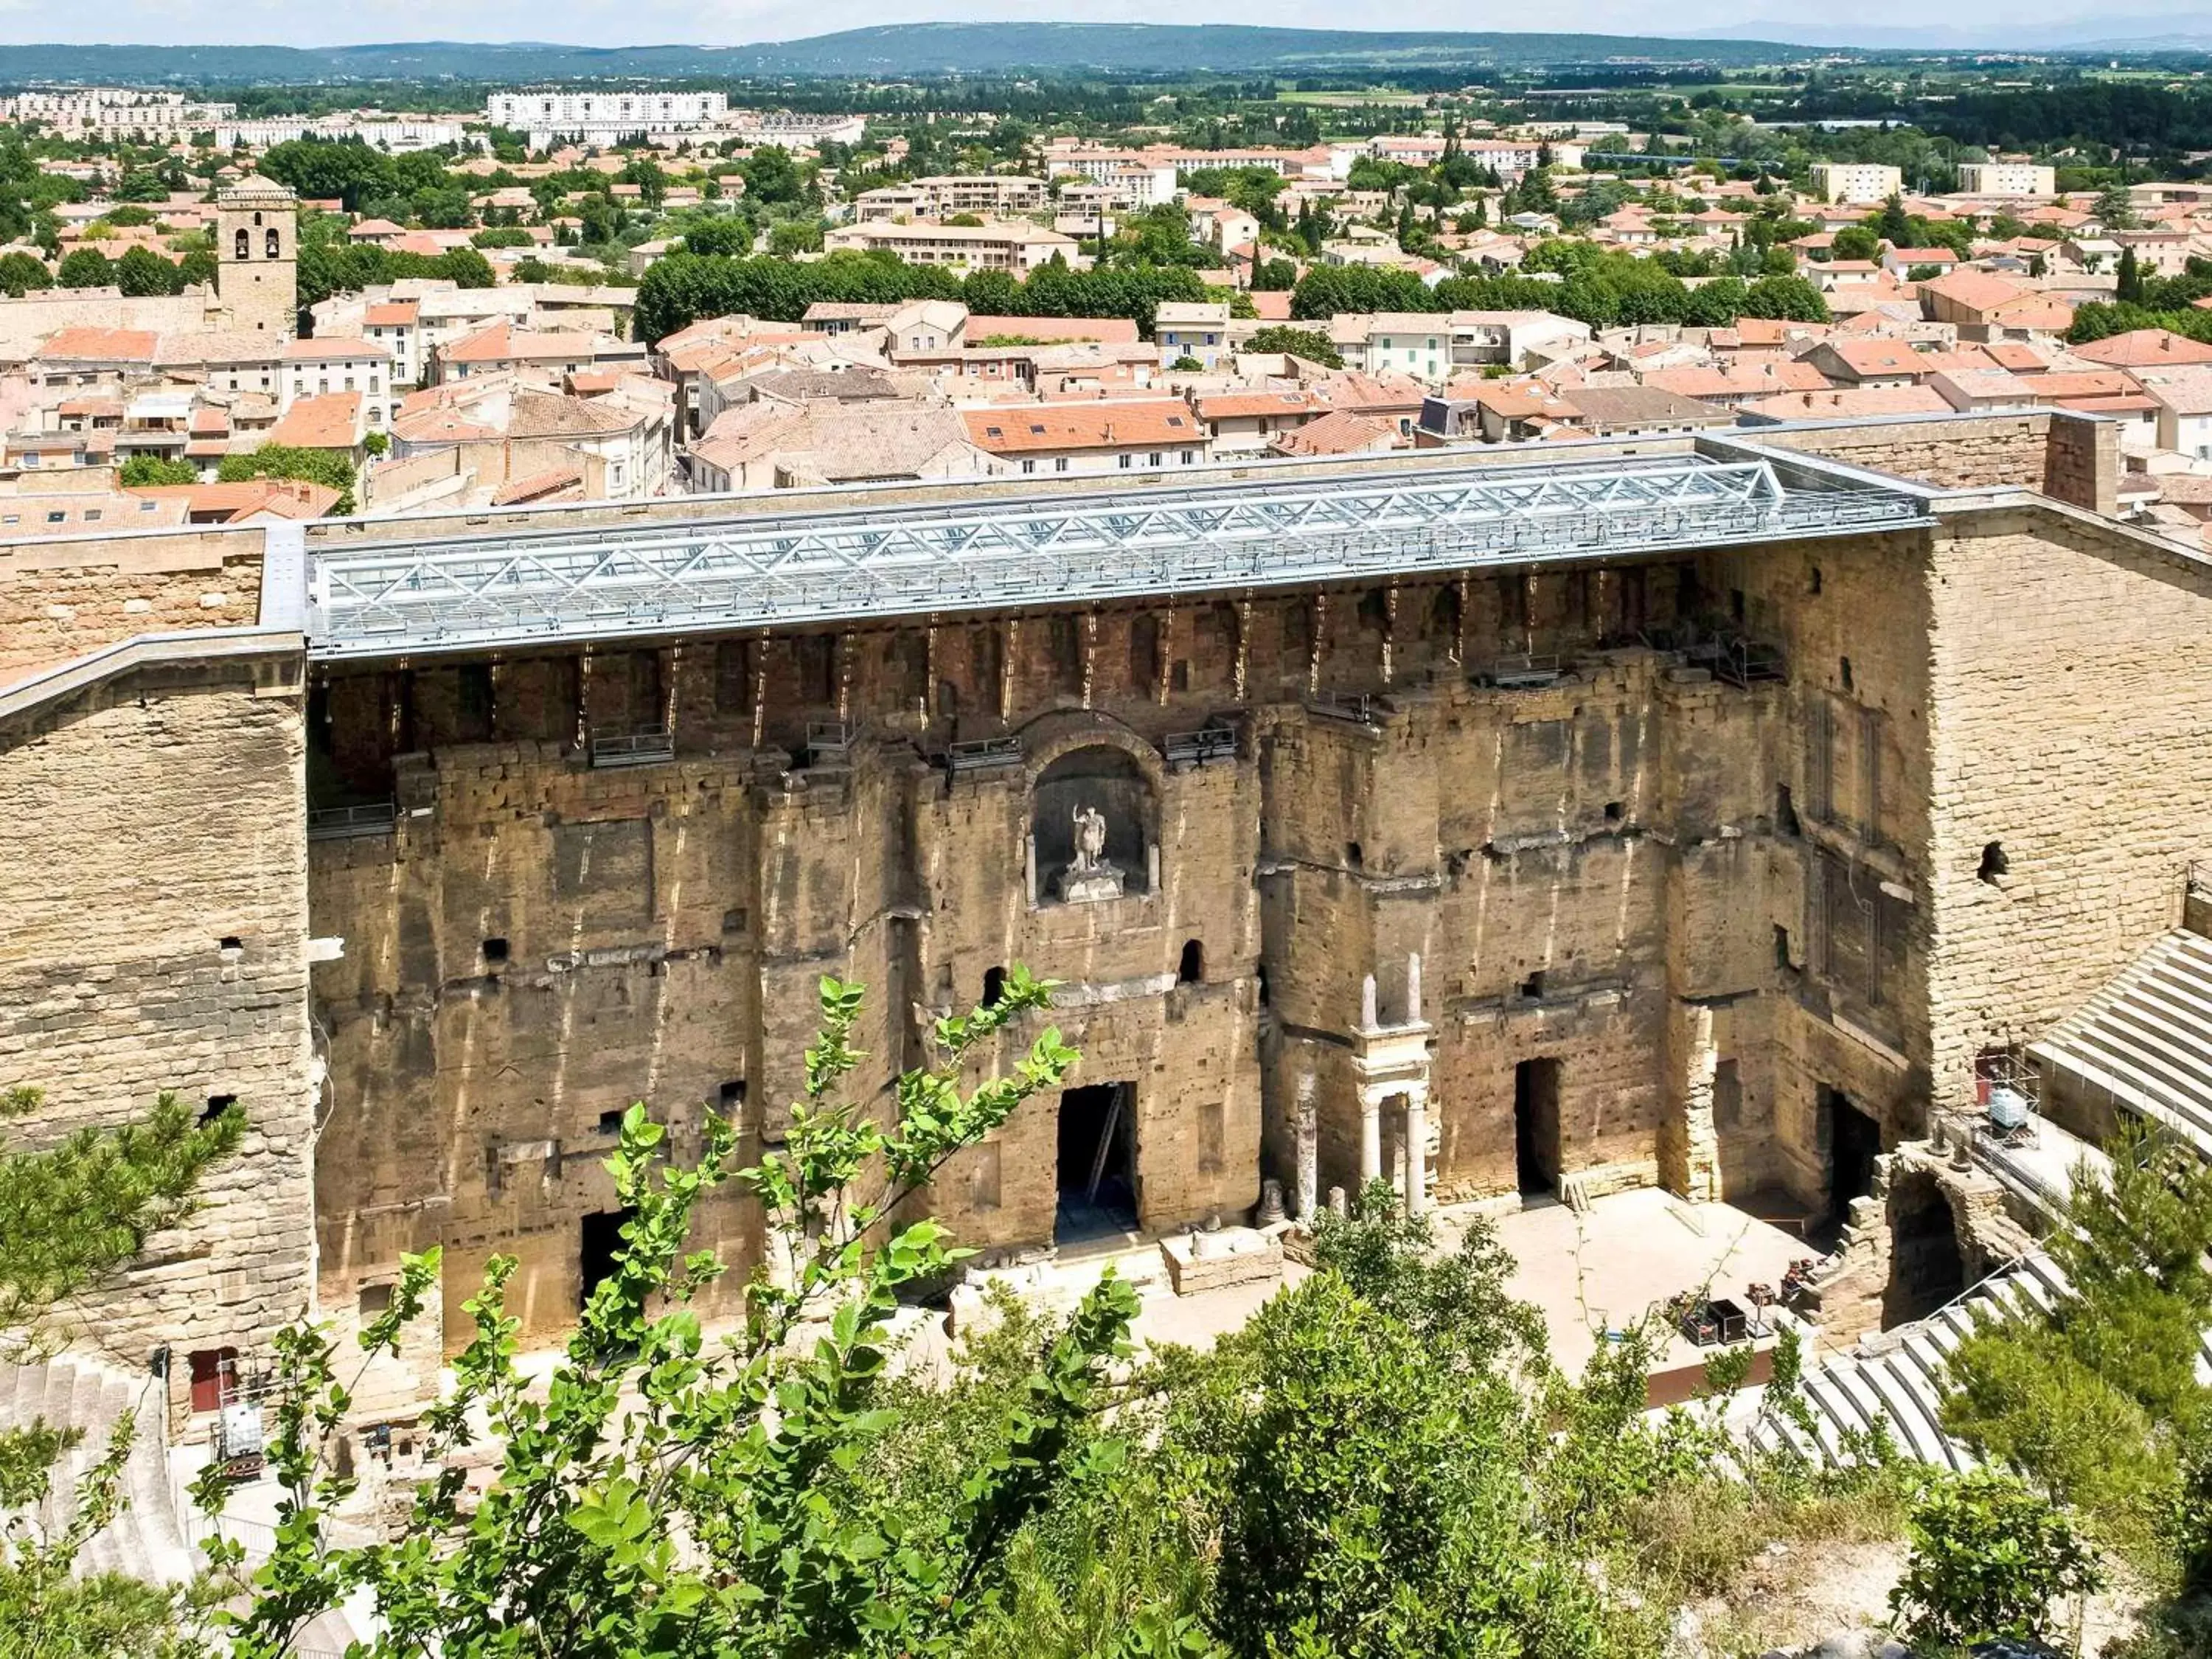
x=637 y=22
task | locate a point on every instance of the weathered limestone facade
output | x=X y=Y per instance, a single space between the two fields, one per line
x=1472 y=880
x=154 y=936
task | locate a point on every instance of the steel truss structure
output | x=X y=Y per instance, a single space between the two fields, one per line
x=896 y=560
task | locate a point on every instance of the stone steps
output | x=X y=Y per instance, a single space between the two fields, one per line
x=72 y=1391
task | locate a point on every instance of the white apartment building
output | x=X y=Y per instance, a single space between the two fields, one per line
x=797 y=132
x=1016 y=247
x=604 y=117
x=1855 y=182
x=114 y=111
x=2007 y=178
x=990 y=194
x=395 y=137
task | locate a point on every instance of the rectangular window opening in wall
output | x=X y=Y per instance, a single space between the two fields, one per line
x=732 y=1094
x=230 y=942
x=733 y=676
x=216 y=1106
x=475 y=703
x=375 y=1301
x=611 y=1120
x=1533 y=987
x=494 y=950
x=599 y=1239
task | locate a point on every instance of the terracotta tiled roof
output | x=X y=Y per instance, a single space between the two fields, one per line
x=1082 y=426
x=101 y=345
x=2144 y=348
x=331 y=421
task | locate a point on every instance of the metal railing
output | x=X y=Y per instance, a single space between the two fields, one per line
x=1360 y=708
x=1528 y=671
x=375 y=817
x=829 y=743
x=1741 y=662
x=984 y=755
x=1210 y=743
x=649 y=747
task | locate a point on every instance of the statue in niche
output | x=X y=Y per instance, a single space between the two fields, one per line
x=1089 y=877
x=1089 y=839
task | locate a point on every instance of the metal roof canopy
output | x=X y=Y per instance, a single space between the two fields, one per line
x=860 y=564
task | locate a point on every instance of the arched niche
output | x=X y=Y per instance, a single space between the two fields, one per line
x=1097 y=778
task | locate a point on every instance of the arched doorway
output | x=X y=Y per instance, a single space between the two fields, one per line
x=1926 y=1269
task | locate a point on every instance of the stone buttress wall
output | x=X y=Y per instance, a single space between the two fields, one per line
x=153 y=936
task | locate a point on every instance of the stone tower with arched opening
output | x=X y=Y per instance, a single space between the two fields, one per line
x=257 y=256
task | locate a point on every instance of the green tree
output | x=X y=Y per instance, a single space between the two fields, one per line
x=1310 y=343
x=747 y=1450
x=322 y=466
x=1856 y=242
x=141 y=472
x=323 y=168
x=771 y=176
x=720 y=236
x=85 y=267
x=2129 y=287
x=142 y=271
x=2115 y=209
x=1989 y=1558
x=23 y=273
x=70 y=1214
x=1894 y=226
x=791 y=236
x=2096 y=1402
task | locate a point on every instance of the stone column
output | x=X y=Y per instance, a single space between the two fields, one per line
x=1413 y=988
x=1309 y=1151
x=1029 y=868
x=1370 y=1134
x=1416 y=1151
x=1367 y=1004
x=1689 y=1144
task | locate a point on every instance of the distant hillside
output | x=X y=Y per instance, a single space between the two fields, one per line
x=912 y=49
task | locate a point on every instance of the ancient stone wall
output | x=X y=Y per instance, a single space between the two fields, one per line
x=1964 y=452
x=2072 y=777
x=153 y=936
x=62 y=598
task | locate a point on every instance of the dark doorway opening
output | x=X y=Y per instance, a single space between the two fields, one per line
x=600 y=1237
x=1536 y=1125
x=214 y=1373
x=1098 y=1162
x=1854 y=1142
x=1926 y=1270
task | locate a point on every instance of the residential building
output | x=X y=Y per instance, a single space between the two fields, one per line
x=1011 y=245
x=1643 y=412
x=991 y=195
x=1855 y=182
x=548 y=353
x=600 y=119
x=397 y=323
x=776 y=446
x=2006 y=179
x=318 y=367
x=1204 y=332
x=397 y=137
x=1058 y=439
